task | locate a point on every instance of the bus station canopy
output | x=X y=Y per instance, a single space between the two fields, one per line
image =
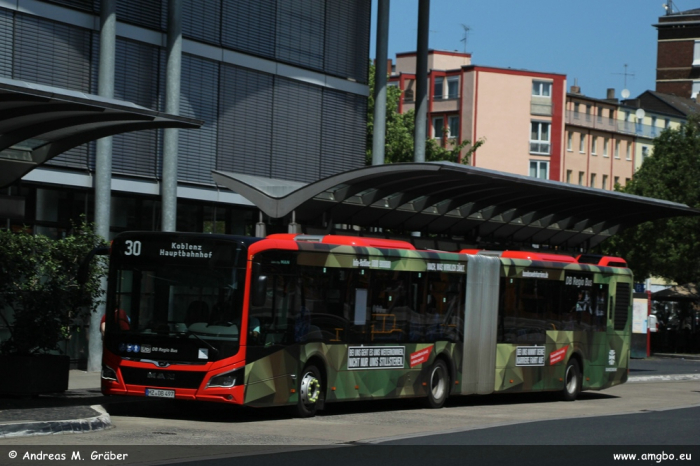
x=477 y=206
x=40 y=122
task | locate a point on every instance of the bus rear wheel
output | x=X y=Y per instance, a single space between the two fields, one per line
x=438 y=385
x=310 y=392
x=572 y=381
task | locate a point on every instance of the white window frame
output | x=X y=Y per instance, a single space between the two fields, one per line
x=629 y=150
x=605 y=147
x=438 y=129
x=593 y=177
x=540 y=167
x=604 y=183
x=569 y=141
x=696 y=53
x=542 y=89
x=450 y=119
x=538 y=146
x=617 y=149
x=582 y=144
x=594 y=143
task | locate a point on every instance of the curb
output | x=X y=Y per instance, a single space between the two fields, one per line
x=74 y=426
x=662 y=378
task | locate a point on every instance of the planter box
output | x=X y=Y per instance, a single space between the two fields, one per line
x=33 y=375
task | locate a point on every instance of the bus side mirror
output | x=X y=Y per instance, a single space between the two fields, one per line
x=258 y=286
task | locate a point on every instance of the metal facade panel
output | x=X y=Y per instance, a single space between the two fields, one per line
x=55 y=54
x=250 y=26
x=6 y=41
x=93 y=6
x=136 y=80
x=343 y=120
x=52 y=53
x=347 y=39
x=199 y=94
x=245 y=121
x=300 y=32
x=296 y=138
x=201 y=20
x=149 y=14
x=480 y=325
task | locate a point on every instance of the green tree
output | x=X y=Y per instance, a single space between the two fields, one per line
x=40 y=297
x=668 y=247
x=400 y=128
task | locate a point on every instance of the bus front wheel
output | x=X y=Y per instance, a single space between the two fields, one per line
x=572 y=381
x=310 y=392
x=438 y=385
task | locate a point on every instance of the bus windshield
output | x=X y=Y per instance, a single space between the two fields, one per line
x=176 y=304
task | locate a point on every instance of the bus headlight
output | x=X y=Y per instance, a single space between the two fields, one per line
x=108 y=373
x=227 y=379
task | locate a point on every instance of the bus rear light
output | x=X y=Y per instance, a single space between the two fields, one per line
x=357 y=387
x=108 y=373
x=293 y=390
x=332 y=389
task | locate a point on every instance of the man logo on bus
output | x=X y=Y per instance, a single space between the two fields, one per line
x=611 y=357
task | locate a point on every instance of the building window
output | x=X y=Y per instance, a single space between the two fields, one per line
x=611 y=114
x=645 y=153
x=453 y=125
x=582 y=144
x=628 y=152
x=438 y=91
x=568 y=176
x=541 y=88
x=588 y=113
x=604 y=184
x=667 y=123
x=653 y=126
x=438 y=127
x=594 y=143
x=539 y=169
x=576 y=115
x=605 y=147
x=569 y=141
x=539 y=138
x=616 y=181
x=592 y=180
x=696 y=53
x=617 y=149
x=580 y=178
x=453 y=87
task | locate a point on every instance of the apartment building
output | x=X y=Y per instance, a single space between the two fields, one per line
x=518 y=112
x=281 y=86
x=599 y=153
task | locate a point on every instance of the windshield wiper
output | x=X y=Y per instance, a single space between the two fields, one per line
x=209 y=345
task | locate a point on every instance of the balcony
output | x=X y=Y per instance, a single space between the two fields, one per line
x=613 y=126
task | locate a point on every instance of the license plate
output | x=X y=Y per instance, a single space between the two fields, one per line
x=160 y=393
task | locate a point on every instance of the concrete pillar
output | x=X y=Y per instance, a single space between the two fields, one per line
x=103 y=164
x=380 y=83
x=172 y=106
x=421 y=81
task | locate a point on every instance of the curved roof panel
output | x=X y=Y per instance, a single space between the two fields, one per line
x=457 y=201
x=39 y=122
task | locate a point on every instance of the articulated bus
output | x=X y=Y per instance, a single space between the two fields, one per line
x=301 y=321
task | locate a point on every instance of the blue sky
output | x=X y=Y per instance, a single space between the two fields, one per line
x=588 y=40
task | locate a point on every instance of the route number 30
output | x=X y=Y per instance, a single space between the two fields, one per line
x=133 y=248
